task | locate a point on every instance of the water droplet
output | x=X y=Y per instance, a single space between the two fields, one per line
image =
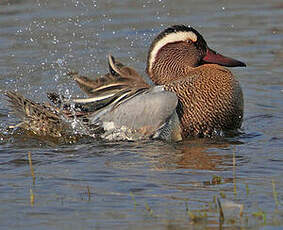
x=60 y=61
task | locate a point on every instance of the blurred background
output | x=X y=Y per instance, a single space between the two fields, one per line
x=124 y=185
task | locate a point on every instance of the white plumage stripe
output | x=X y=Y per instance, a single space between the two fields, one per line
x=170 y=38
x=93 y=99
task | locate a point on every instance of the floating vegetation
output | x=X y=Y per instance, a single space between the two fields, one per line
x=31 y=198
x=275 y=194
x=31 y=168
x=222 y=194
x=195 y=217
x=229 y=213
x=134 y=199
x=247 y=190
x=234 y=171
x=221 y=213
x=88 y=192
x=216 y=179
x=33 y=180
x=261 y=215
x=149 y=210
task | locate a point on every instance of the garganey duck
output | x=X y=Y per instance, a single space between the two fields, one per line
x=192 y=96
x=210 y=98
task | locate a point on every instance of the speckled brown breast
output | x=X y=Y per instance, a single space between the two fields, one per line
x=210 y=99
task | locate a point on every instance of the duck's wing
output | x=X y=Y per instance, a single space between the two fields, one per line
x=119 y=78
x=147 y=114
x=120 y=84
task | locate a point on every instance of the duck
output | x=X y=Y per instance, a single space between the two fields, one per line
x=193 y=95
x=210 y=97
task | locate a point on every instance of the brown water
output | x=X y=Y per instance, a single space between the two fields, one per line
x=95 y=185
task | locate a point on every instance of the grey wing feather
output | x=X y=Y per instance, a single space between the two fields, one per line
x=147 y=111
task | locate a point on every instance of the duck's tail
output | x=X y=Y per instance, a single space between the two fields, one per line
x=40 y=119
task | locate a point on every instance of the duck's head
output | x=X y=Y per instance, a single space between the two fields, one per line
x=177 y=50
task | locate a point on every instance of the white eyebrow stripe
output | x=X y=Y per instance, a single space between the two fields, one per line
x=170 y=38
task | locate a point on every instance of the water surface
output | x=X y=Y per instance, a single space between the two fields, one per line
x=124 y=185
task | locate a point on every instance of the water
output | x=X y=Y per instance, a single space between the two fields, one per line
x=147 y=184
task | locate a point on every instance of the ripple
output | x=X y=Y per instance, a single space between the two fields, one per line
x=95 y=184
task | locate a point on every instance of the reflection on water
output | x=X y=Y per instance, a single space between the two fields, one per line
x=198 y=155
x=93 y=184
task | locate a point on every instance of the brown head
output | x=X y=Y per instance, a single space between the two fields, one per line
x=179 y=49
